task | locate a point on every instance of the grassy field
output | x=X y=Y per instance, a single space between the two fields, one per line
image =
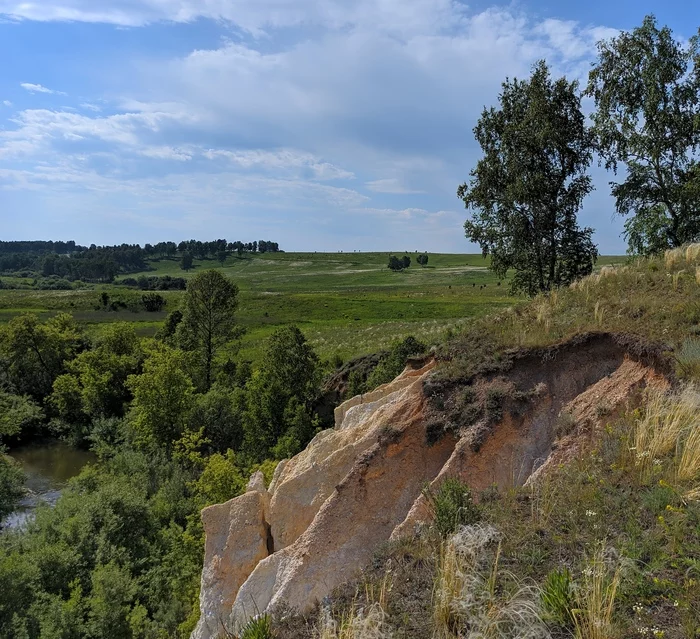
x=346 y=303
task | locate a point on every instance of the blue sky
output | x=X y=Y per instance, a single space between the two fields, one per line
x=320 y=124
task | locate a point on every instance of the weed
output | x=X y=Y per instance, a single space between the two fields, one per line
x=451 y=506
x=558 y=598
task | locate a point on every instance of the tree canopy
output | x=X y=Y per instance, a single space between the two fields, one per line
x=208 y=320
x=525 y=193
x=646 y=87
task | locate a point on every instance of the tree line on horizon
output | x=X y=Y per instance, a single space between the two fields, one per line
x=72 y=261
x=525 y=193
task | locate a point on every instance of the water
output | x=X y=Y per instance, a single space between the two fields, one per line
x=47 y=466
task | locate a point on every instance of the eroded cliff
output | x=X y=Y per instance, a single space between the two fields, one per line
x=360 y=483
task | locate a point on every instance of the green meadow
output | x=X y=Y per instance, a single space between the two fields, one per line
x=346 y=303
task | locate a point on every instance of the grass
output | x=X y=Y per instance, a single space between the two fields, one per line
x=346 y=303
x=604 y=547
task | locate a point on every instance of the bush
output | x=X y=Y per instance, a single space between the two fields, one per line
x=452 y=506
x=153 y=302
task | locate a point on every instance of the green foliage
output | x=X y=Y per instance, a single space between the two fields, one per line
x=18 y=415
x=394 y=362
x=96 y=384
x=219 y=413
x=260 y=627
x=11 y=484
x=279 y=396
x=208 y=321
x=36 y=352
x=153 y=302
x=162 y=397
x=526 y=191
x=220 y=480
x=422 y=259
x=399 y=263
x=558 y=600
x=452 y=506
x=646 y=86
x=186 y=261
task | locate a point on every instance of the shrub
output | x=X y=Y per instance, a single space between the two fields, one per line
x=153 y=302
x=452 y=506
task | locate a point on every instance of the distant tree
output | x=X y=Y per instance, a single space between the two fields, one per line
x=525 y=192
x=153 y=302
x=208 y=320
x=395 y=264
x=646 y=86
x=221 y=256
x=405 y=261
x=186 y=261
x=422 y=259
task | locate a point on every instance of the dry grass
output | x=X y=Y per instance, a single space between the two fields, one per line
x=596 y=599
x=672 y=257
x=668 y=426
x=357 y=623
x=470 y=599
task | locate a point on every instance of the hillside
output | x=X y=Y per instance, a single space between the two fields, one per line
x=539 y=476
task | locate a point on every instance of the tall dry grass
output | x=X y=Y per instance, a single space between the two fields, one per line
x=358 y=623
x=469 y=600
x=595 y=599
x=668 y=428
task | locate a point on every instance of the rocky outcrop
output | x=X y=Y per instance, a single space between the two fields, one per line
x=360 y=483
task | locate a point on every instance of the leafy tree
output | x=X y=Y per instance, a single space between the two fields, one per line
x=162 y=397
x=219 y=413
x=288 y=377
x=153 y=302
x=422 y=259
x=405 y=261
x=220 y=480
x=18 y=414
x=395 y=264
x=392 y=364
x=96 y=382
x=646 y=86
x=167 y=332
x=11 y=484
x=208 y=320
x=36 y=353
x=221 y=256
x=525 y=192
x=186 y=261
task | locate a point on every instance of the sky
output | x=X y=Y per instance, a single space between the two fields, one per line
x=319 y=124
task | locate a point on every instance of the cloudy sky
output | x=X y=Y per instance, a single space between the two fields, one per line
x=321 y=124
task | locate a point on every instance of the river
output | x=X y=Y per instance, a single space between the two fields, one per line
x=48 y=466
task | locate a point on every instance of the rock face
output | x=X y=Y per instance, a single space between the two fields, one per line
x=360 y=483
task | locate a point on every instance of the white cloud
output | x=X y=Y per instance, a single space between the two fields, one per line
x=38 y=88
x=397 y=16
x=385 y=92
x=390 y=185
x=281 y=159
x=7 y=103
